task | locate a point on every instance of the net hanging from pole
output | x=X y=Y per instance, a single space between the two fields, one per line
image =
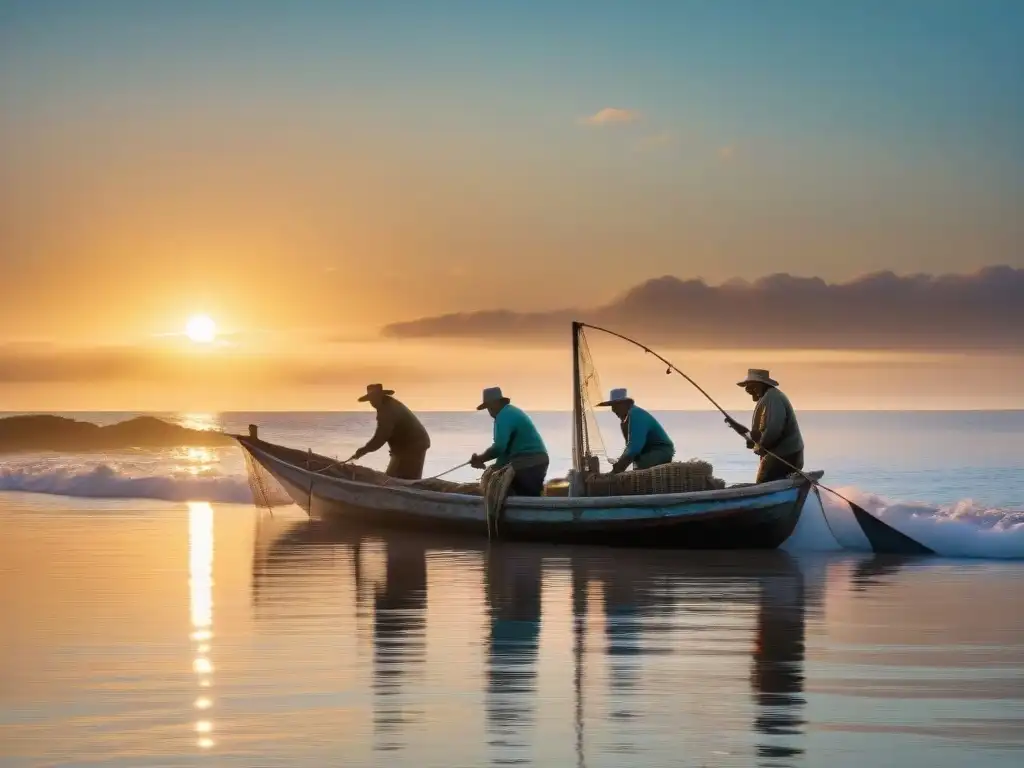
x=590 y=395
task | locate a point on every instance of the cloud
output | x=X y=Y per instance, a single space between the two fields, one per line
x=656 y=141
x=976 y=312
x=610 y=115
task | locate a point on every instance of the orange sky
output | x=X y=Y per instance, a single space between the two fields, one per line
x=267 y=375
x=153 y=167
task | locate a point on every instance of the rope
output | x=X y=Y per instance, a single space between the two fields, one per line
x=495 y=483
x=821 y=504
x=432 y=477
x=332 y=465
x=448 y=471
x=388 y=480
x=671 y=368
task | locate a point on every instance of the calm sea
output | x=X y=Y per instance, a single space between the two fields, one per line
x=153 y=617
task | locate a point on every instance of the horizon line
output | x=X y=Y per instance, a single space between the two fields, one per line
x=368 y=411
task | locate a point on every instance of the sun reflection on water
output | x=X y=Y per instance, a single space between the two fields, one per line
x=205 y=421
x=200 y=552
x=198 y=460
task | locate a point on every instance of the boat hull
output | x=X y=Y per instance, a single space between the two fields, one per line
x=753 y=517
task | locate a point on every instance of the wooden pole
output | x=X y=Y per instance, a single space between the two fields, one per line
x=577 y=402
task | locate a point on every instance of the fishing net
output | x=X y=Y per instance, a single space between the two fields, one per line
x=496 y=482
x=267 y=493
x=590 y=394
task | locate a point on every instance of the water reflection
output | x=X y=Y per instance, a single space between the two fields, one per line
x=200 y=581
x=399 y=643
x=872 y=571
x=777 y=676
x=200 y=421
x=512 y=583
x=663 y=659
x=197 y=461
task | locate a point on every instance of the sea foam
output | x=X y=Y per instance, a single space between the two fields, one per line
x=962 y=529
x=113 y=480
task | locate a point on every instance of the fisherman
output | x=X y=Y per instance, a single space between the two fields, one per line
x=774 y=431
x=647 y=443
x=516 y=442
x=400 y=429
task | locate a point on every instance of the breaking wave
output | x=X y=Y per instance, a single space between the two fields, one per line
x=116 y=480
x=962 y=529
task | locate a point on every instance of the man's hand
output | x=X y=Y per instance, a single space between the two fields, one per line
x=476 y=462
x=736 y=426
x=619 y=465
x=360 y=452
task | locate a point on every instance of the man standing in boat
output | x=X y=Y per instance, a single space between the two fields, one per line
x=516 y=442
x=773 y=428
x=400 y=429
x=647 y=443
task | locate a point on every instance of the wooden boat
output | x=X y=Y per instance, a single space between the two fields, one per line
x=741 y=517
x=744 y=517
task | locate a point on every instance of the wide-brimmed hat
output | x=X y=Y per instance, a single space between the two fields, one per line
x=757 y=376
x=617 y=396
x=375 y=389
x=492 y=395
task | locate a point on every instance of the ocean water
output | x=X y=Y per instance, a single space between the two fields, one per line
x=153 y=617
x=955 y=480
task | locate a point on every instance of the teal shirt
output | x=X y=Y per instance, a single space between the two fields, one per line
x=514 y=435
x=645 y=434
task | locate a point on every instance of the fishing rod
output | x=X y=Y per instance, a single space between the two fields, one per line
x=671 y=367
x=907 y=544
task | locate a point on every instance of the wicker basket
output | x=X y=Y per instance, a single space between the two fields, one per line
x=676 y=477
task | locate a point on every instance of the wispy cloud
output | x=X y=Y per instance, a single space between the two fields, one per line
x=655 y=141
x=610 y=115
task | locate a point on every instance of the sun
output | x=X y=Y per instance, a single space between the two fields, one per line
x=201 y=329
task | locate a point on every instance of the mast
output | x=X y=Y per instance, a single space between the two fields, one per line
x=577 y=400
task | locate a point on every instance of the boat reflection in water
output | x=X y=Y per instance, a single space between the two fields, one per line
x=399 y=642
x=513 y=585
x=693 y=646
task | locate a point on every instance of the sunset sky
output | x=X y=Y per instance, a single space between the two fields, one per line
x=342 y=186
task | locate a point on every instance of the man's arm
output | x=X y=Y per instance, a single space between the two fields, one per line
x=503 y=431
x=385 y=426
x=773 y=419
x=639 y=427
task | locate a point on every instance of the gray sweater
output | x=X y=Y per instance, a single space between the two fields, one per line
x=774 y=425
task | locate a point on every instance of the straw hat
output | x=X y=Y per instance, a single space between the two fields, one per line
x=757 y=376
x=375 y=389
x=492 y=395
x=617 y=396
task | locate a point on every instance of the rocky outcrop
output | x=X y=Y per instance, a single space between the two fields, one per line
x=44 y=432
